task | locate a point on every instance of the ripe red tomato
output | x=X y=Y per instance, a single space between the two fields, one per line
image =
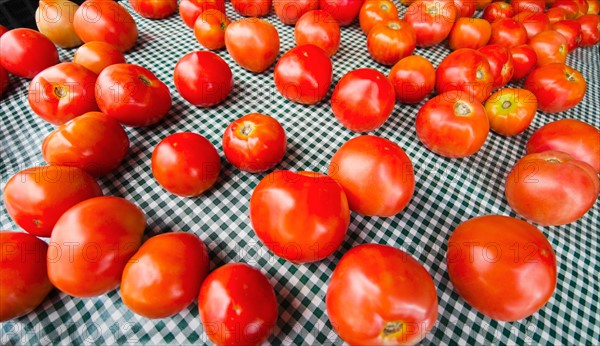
x=252 y=8
x=497 y=10
x=26 y=52
x=186 y=164
x=582 y=7
x=571 y=31
x=373 y=12
x=511 y=110
x=4 y=81
x=203 y=78
x=254 y=143
x=209 y=29
x=590 y=29
x=528 y=5
x=524 y=60
x=557 y=87
x=165 y=274
x=343 y=11
x=593 y=7
x=363 y=100
x=24 y=282
x=237 y=306
x=550 y=47
x=380 y=295
x=413 y=79
x=533 y=22
x=508 y=32
x=390 y=41
x=3 y=30
x=189 y=10
x=556 y=14
x=570 y=7
x=504 y=267
x=252 y=43
x=303 y=74
x=471 y=33
x=452 y=125
x=97 y=55
x=501 y=64
x=465 y=8
x=36 y=197
x=289 y=11
x=54 y=19
x=465 y=71
x=318 y=28
x=154 y=9
x=82 y=143
x=431 y=19
x=301 y=217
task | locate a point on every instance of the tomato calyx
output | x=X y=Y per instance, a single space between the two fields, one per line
x=570 y=75
x=392 y=329
x=462 y=109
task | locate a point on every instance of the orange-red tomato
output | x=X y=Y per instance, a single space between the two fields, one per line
x=481 y=4
x=593 y=7
x=3 y=30
x=413 y=79
x=528 y=5
x=501 y=64
x=431 y=19
x=376 y=11
x=556 y=14
x=344 y=11
x=590 y=29
x=154 y=9
x=524 y=60
x=391 y=40
x=497 y=10
x=26 y=52
x=54 y=19
x=508 y=32
x=511 y=110
x=252 y=43
x=465 y=8
x=557 y=87
x=209 y=29
x=471 y=33
x=97 y=55
x=550 y=47
x=533 y=22
x=465 y=71
x=570 y=7
x=570 y=30
x=189 y=10
x=203 y=78
x=318 y=28
x=252 y=8
x=289 y=11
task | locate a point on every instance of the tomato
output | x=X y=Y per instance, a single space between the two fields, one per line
x=300 y=217
x=390 y=41
x=380 y=295
x=99 y=20
x=186 y=164
x=3 y=30
x=26 y=52
x=501 y=64
x=252 y=43
x=481 y=4
x=4 y=81
x=413 y=79
x=318 y=28
x=237 y=306
x=452 y=125
x=533 y=22
x=82 y=143
x=465 y=8
x=203 y=78
x=373 y=12
x=571 y=31
x=97 y=55
x=590 y=29
x=432 y=20
x=557 y=87
x=132 y=95
x=528 y=5
x=36 y=197
x=343 y=11
x=593 y=7
x=504 y=267
x=570 y=7
x=571 y=136
x=154 y=9
x=556 y=15
x=54 y=19
x=24 y=282
x=497 y=10
x=289 y=11
x=550 y=47
x=363 y=100
x=252 y=8
x=471 y=33
x=254 y=143
x=524 y=60
x=508 y=32
x=165 y=274
x=189 y=10
x=511 y=110
x=303 y=74
x=466 y=71
x=583 y=7
x=209 y=29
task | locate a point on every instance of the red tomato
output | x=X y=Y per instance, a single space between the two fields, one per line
x=154 y=9
x=36 y=198
x=189 y=10
x=254 y=143
x=533 y=22
x=550 y=47
x=252 y=8
x=100 y=20
x=237 y=306
x=452 y=125
x=413 y=79
x=571 y=31
x=24 y=282
x=303 y=74
x=165 y=274
x=363 y=100
x=209 y=29
x=301 y=217
x=344 y=11
x=289 y=11
x=583 y=7
x=465 y=8
x=556 y=15
x=4 y=81
x=132 y=95
x=376 y=11
x=502 y=266
x=390 y=41
x=186 y=164
x=465 y=71
x=97 y=55
x=431 y=19
x=508 y=32
x=557 y=87
x=203 y=78
x=501 y=64
x=3 y=30
x=524 y=60
x=54 y=19
x=380 y=295
x=511 y=110
x=82 y=143
x=590 y=29
x=528 y=5
x=318 y=28
x=252 y=43
x=593 y=7
x=570 y=7
x=471 y=33
x=497 y=10
x=26 y=52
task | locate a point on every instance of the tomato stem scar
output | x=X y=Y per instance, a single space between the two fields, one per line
x=391 y=328
x=506 y=104
x=144 y=80
x=60 y=91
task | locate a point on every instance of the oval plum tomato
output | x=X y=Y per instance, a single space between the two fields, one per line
x=507 y=272
x=570 y=30
x=203 y=78
x=26 y=52
x=593 y=7
x=572 y=184
x=528 y=5
x=209 y=29
x=165 y=274
x=497 y=10
x=501 y=64
x=36 y=197
x=4 y=81
x=303 y=74
x=318 y=28
x=363 y=100
x=390 y=41
x=508 y=33
x=24 y=282
x=384 y=184
x=471 y=33
x=189 y=10
x=557 y=87
x=154 y=9
x=413 y=79
x=431 y=19
x=465 y=8
x=107 y=21
x=380 y=295
x=550 y=47
x=252 y=8
x=373 y=12
x=570 y=7
x=237 y=306
x=252 y=43
x=571 y=136
x=343 y=11
x=132 y=95
x=511 y=110
x=186 y=164
x=524 y=60
x=97 y=55
x=254 y=143
x=533 y=22
x=465 y=71
x=289 y=11
x=82 y=143
x=583 y=7
x=301 y=217
x=54 y=19
x=590 y=29
x=556 y=15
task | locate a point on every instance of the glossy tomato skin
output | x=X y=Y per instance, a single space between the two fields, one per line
x=165 y=274
x=209 y=29
x=304 y=74
x=344 y=11
x=54 y=19
x=36 y=197
x=26 y=52
x=501 y=64
x=432 y=20
x=254 y=143
x=252 y=8
x=550 y=47
x=556 y=15
x=570 y=7
x=465 y=71
x=508 y=32
x=413 y=79
x=203 y=78
x=97 y=55
x=571 y=30
x=289 y=11
x=252 y=43
x=4 y=81
x=319 y=28
x=390 y=41
x=497 y=10
x=511 y=110
x=3 y=30
x=154 y=9
x=471 y=33
x=590 y=29
x=557 y=87
x=524 y=60
x=528 y=5
x=380 y=295
x=186 y=164
x=301 y=217
x=237 y=306
x=533 y=22
x=373 y=12
x=83 y=143
x=465 y=8
x=593 y=7
x=189 y=10
x=24 y=282
x=503 y=267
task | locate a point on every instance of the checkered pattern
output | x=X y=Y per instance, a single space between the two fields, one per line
x=448 y=191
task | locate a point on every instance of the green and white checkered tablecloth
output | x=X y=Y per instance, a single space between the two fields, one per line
x=448 y=191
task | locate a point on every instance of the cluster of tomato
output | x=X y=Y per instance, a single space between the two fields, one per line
x=377 y=293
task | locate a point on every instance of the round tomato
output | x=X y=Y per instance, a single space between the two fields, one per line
x=413 y=79
x=570 y=30
x=318 y=28
x=590 y=29
x=497 y=10
x=528 y=5
x=465 y=71
x=3 y=30
x=550 y=47
x=557 y=87
x=511 y=110
x=209 y=29
x=289 y=11
x=97 y=55
x=373 y=12
x=593 y=7
x=154 y=9
x=533 y=22
x=524 y=60
x=54 y=19
x=481 y=4
x=432 y=20
x=4 y=81
x=556 y=15
x=471 y=33
x=465 y=8
x=508 y=32
x=252 y=8
x=189 y=10
x=570 y=7
x=501 y=64
x=343 y=11
x=203 y=78
x=26 y=52
x=390 y=41
x=252 y=43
